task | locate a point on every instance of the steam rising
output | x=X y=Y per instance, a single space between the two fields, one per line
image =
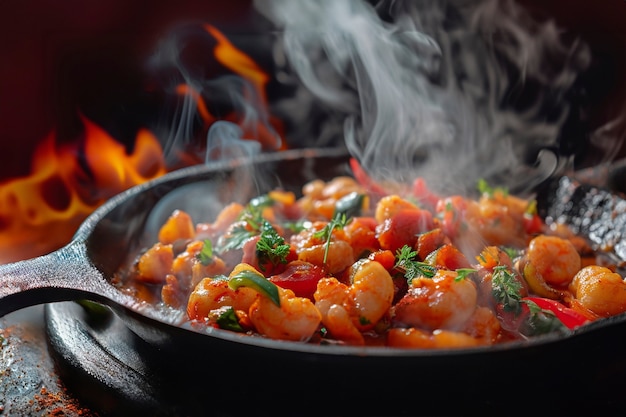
x=449 y=91
x=225 y=141
x=223 y=93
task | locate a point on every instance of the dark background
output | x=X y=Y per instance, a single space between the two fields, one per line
x=59 y=58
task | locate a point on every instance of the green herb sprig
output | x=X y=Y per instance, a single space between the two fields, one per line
x=506 y=289
x=205 y=256
x=271 y=247
x=250 y=222
x=405 y=262
x=339 y=221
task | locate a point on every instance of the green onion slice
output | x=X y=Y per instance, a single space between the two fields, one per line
x=256 y=281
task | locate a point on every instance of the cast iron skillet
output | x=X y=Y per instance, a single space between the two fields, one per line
x=589 y=364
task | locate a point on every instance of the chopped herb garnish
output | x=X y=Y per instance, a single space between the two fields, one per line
x=271 y=247
x=205 y=256
x=295 y=227
x=339 y=221
x=236 y=238
x=227 y=320
x=485 y=188
x=323 y=332
x=506 y=289
x=410 y=267
x=250 y=222
x=511 y=252
x=405 y=262
x=463 y=273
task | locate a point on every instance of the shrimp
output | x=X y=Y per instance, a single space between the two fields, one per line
x=154 y=265
x=190 y=271
x=498 y=218
x=389 y=205
x=296 y=319
x=555 y=259
x=349 y=310
x=333 y=301
x=482 y=328
x=319 y=197
x=372 y=291
x=340 y=256
x=483 y=325
x=312 y=248
x=179 y=226
x=438 y=339
x=600 y=290
x=213 y=293
x=440 y=302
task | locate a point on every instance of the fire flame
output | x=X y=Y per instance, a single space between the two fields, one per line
x=40 y=212
x=241 y=64
x=232 y=58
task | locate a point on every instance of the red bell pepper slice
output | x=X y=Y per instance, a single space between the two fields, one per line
x=364 y=179
x=300 y=277
x=568 y=316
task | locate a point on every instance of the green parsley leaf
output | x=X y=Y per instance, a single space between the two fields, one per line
x=271 y=247
x=235 y=238
x=205 y=256
x=227 y=320
x=511 y=252
x=250 y=222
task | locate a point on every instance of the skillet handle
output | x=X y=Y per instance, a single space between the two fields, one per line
x=62 y=275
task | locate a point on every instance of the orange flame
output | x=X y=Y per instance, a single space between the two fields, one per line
x=238 y=62
x=41 y=212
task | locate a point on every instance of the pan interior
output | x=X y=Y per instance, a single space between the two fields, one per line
x=117 y=233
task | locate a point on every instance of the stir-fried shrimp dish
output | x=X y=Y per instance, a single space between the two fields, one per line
x=347 y=263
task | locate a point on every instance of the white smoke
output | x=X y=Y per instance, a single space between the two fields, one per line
x=452 y=91
x=223 y=94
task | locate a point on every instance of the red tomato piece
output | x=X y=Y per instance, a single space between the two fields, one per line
x=300 y=277
x=403 y=228
x=384 y=257
x=362 y=178
x=533 y=224
x=423 y=194
x=452 y=212
x=449 y=257
x=362 y=234
x=430 y=241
